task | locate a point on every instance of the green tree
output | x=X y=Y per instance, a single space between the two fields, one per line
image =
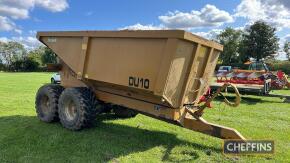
x=287 y=49
x=260 y=41
x=48 y=57
x=36 y=54
x=27 y=64
x=231 y=40
x=11 y=52
x=243 y=57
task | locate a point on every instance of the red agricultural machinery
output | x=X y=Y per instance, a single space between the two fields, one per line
x=258 y=80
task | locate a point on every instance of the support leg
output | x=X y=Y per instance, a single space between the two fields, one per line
x=200 y=125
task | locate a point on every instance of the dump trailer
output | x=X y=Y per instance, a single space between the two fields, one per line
x=162 y=74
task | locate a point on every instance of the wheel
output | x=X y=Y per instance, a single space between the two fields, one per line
x=124 y=112
x=107 y=108
x=46 y=102
x=52 y=81
x=78 y=108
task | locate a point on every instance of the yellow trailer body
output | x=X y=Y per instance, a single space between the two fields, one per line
x=156 y=73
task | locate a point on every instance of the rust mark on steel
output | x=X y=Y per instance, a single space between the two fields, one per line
x=152 y=72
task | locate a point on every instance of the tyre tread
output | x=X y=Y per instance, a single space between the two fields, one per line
x=89 y=107
x=55 y=91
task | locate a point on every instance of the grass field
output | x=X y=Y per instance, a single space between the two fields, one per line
x=23 y=138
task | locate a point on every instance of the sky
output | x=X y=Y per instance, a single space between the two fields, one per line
x=21 y=19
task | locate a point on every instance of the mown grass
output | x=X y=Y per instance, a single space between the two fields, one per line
x=23 y=138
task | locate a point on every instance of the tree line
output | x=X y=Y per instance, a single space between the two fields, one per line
x=15 y=57
x=258 y=41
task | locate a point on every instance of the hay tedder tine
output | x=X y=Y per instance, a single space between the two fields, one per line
x=202 y=126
